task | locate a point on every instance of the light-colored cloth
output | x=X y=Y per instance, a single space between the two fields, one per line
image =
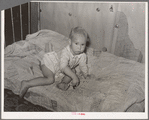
x=51 y=61
x=56 y=62
x=119 y=83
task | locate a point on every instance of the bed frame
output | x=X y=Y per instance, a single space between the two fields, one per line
x=20 y=21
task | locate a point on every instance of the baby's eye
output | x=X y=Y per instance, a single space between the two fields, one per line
x=82 y=44
x=76 y=43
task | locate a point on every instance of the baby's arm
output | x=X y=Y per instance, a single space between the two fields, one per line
x=70 y=73
x=85 y=74
x=64 y=61
x=83 y=65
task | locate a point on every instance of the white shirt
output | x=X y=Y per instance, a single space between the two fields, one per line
x=70 y=60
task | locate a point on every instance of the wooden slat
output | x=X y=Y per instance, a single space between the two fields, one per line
x=39 y=27
x=34 y=17
x=8 y=28
x=12 y=25
x=16 y=21
x=25 y=24
x=21 y=22
x=29 y=17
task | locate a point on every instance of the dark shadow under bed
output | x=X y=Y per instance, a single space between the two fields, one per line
x=13 y=103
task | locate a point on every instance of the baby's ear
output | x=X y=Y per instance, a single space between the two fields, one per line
x=88 y=40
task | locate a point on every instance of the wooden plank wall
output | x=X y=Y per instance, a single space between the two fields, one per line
x=135 y=15
x=97 y=19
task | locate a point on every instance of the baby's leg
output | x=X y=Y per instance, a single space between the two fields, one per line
x=66 y=79
x=48 y=79
x=64 y=84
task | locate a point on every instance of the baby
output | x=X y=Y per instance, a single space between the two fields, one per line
x=72 y=56
x=64 y=62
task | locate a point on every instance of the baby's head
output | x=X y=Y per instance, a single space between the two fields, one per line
x=79 y=38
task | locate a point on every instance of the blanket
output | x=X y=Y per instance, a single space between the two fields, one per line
x=118 y=84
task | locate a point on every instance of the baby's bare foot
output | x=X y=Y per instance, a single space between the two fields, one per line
x=63 y=86
x=24 y=88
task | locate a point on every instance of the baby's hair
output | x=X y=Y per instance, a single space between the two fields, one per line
x=78 y=30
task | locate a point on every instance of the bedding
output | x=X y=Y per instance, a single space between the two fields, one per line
x=117 y=85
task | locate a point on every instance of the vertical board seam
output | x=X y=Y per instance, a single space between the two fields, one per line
x=12 y=25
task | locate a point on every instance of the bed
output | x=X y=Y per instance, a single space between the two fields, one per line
x=118 y=84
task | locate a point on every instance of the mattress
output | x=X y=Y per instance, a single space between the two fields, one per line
x=117 y=84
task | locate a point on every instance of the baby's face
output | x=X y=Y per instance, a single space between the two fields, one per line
x=78 y=44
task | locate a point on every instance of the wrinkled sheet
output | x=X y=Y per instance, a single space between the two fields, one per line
x=118 y=85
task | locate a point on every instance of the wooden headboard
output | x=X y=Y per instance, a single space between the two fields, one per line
x=20 y=21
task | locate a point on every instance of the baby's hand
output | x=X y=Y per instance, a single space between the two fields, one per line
x=75 y=82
